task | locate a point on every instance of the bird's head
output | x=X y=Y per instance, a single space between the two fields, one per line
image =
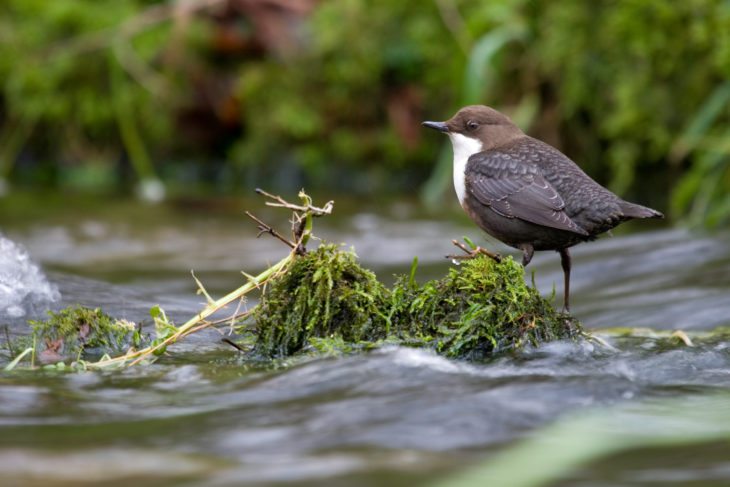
x=478 y=124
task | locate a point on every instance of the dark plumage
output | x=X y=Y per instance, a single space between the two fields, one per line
x=525 y=192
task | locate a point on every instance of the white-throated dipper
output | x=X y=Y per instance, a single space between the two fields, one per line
x=525 y=192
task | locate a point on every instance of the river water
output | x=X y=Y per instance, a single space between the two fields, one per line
x=396 y=416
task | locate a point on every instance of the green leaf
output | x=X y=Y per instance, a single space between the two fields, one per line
x=155 y=311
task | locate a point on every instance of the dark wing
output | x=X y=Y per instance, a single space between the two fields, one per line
x=516 y=189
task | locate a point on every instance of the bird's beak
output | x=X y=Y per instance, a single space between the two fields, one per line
x=440 y=126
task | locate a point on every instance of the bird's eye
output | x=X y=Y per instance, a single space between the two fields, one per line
x=472 y=125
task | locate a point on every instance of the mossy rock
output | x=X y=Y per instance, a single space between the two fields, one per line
x=79 y=332
x=324 y=294
x=480 y=308
x=326 y=301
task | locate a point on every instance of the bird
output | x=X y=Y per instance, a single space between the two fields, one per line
x=525 y=192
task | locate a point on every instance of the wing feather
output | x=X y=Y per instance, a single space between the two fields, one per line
x=516 y=189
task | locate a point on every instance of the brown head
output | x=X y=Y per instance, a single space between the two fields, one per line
x=485 y=124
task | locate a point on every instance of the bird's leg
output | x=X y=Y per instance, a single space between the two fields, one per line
x=527 y=252
x=565 y=262
x=471 y=253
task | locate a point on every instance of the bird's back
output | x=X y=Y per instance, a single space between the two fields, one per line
x=587 y=203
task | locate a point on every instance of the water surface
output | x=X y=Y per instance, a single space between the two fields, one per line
x=396 y=416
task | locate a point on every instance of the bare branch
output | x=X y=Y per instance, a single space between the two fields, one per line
x=282 y=203
x=471 y=253
x=264 y=228
x=233 y=344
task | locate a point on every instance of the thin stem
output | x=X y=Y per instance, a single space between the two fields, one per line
x=307 y=207
x=190 y=325
x=471 y=253
x=264 y=228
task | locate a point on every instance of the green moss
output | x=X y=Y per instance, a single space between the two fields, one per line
x=79 y=332
x=327 y=303
x=480 y=308
x=325 y=293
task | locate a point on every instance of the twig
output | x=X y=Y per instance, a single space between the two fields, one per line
x=234 y=316
x=201 y=289
x=302 y=216
x=173 y=339
x=248 y=276
x=233 y=344
x=264 y=228
x=8 y=342
x=193 y=324
x=282 y=203
x=471 y=253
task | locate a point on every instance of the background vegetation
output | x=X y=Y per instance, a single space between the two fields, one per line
x=216 y=95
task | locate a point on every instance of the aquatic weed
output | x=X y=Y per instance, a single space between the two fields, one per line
x=324 y=294
x=328 y=303
x=480 y=308
x=78 y=331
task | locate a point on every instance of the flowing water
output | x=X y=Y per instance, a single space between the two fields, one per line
x=396 y=416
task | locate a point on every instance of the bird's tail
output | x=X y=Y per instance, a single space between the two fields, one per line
x=632 y=210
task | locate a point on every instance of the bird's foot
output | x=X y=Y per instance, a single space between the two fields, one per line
x=470 y=253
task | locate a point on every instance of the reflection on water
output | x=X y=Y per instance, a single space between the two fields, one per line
x=389 y=417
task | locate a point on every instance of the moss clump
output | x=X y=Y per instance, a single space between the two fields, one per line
x=327 y=303
x=78 y=332
x=324 y=294
x=480 y=308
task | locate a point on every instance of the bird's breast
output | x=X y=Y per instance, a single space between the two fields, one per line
x=464 y=148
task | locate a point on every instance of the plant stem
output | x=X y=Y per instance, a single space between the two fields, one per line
x=211 y=308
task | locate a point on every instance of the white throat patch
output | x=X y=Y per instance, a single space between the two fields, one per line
x=464 y=148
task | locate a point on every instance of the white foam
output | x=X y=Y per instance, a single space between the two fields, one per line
x=412 y=357
x=22 y=283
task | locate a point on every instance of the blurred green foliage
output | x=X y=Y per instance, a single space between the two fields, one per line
x=641 y=91
x=327 y=107
x=331 y=95
x=62 y=99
